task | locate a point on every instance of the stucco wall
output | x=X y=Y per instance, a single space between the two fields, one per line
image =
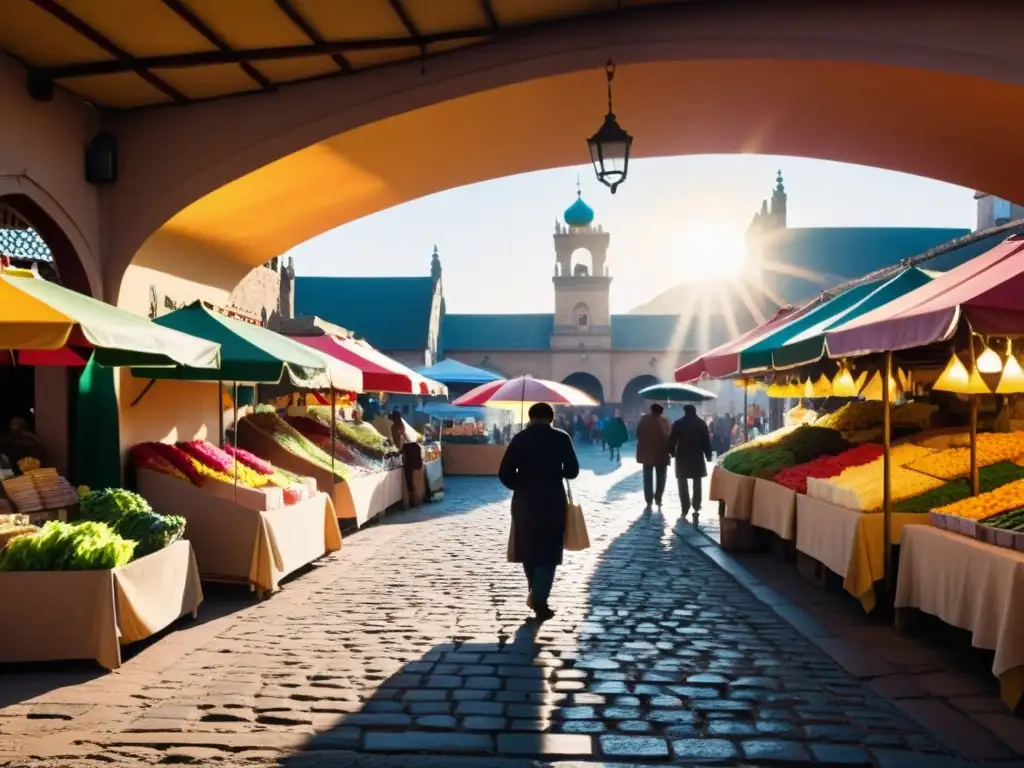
x=169 y=411
x=41 y=156
x=258 y=293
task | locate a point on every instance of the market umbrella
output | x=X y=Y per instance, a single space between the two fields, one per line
x=46 y=319
x=453 y=372
x=675 y=392
x=520 y=393
x=252 y=354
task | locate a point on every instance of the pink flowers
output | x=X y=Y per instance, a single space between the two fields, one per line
x=250 y=460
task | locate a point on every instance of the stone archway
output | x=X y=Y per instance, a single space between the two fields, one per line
x=586 y=382
x=631 y=399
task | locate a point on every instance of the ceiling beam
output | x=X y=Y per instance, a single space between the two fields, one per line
x=410 y=27
x=492 y=17
x=309 y=31
x=200 y=26
x=125 y=61
x=237 y=56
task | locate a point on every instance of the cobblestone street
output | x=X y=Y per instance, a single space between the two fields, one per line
x=415 y=639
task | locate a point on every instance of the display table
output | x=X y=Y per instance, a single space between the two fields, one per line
x=849 y=543
x=234 y=543
x=973 y=586
x=60 y=615
x=773 y=507
x=736 y=492
x=362 y=498
x=471 y=459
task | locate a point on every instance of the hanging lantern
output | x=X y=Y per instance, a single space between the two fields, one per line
x=807 y=389
x=778 y=390
x=903 y=377
x=873 y=389
x=751 y=385
x=843 y=384
x=989 y=361
x=1012 y=380
x=610 y=146
x=955 y=378
x=823 y=387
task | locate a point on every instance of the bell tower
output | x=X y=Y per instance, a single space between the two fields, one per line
x=582 y=280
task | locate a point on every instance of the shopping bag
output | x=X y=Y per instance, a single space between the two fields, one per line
x=576 y=536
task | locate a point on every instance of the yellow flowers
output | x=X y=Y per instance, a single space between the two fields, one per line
x=1002 y=499
x=955 y=463
x=28 y=464
x=862 y=487
x=83 y=489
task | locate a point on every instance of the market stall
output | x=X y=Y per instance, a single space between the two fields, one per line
x=81 y=590
x=970 y=585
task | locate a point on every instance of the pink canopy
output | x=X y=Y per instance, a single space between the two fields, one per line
x=724 y=360
x=380 y=372
x=988 y=290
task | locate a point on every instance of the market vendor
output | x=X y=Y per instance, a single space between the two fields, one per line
x=20 y=443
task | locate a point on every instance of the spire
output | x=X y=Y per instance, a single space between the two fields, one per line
x=579 y=189
x=435 y=265
x=778 y=182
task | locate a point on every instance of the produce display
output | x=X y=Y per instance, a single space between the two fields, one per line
x=131 y=517
x=861 y=420
x=431 y=451
x=1008 y=521
x=291 y=440
x=989 y=478
x=12 y=526
x=345 y=452
x=796 y=477
x=766 y=457
x=197 y=461
x=1003 y=499
x=362 y=435
x=60 y=546
x=861 y=487
x=954 y=463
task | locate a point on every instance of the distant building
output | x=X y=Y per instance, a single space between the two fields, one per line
x=994 y=211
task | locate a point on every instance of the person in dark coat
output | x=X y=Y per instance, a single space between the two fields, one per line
x=690 y=443
x=535 y=467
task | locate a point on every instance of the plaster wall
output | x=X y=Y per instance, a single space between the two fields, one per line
x=170 y=411
x=41 y=156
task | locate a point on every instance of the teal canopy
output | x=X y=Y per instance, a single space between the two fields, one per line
x=248 y=353
x=453 y=372
x=808 y=346
x=758 y=357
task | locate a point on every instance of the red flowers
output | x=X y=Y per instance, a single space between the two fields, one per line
x=827 y=466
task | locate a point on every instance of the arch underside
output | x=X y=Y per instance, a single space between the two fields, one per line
x=885 y=116
x=586 y=382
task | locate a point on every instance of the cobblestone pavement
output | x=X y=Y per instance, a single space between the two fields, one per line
x=415 y=639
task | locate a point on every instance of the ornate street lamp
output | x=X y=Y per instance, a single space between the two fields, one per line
x=609 y=147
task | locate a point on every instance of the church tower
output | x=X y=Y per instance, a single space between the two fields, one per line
x=582 y=281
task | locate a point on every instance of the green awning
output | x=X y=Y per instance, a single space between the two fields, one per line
x=758 y=357
x=248 y=353
x=808 y=346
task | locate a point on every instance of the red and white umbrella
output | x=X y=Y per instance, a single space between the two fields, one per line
x=517 y=393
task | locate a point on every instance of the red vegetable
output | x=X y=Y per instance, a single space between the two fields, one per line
x=826 y=466
x=177 y=459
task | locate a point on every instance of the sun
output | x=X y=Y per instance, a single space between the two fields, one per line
x=710 y=250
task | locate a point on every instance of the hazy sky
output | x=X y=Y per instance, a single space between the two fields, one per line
x=674 y=219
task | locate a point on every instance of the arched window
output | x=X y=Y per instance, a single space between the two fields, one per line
x=581 y=263
x=23 y=245
x=581 y=317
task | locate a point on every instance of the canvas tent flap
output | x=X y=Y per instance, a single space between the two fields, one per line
x=36 y=314
x=249 y=353
x=988 y=290
x=808 y=346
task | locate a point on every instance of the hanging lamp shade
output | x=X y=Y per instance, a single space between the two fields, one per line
x=843 y=384
x=873 y=389
x=956 y=378
x=751 y=385
x=823 y=386
x=1011 y=382
x=989 y=361
x=807 y=389
x=778 y=390
x=903 y=377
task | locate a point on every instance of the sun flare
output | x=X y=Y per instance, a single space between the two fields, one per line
x=710 y=250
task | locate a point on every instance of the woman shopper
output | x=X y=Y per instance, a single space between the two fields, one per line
x=535 y=467
x=615 y=433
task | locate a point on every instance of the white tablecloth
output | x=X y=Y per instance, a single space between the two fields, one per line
x=737 y=491
x=971 y=585
x=774 y=508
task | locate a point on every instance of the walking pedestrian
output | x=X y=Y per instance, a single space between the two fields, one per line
x=690 y=443
x=535 y=467
x=652 y=434
x=614 y=434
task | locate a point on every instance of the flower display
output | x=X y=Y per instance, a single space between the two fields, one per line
x=954 y=463
x=293 y=441
x=796 y=477
x=1003 y=499
x=861 y=487
x=989 y=478
x=250 y=460
x=766 y=458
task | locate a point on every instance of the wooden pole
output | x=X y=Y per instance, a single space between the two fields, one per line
x=334 y=416
x=220 y=413
x=887 y=471
x=746 y=431
x=975 y=482
x=234 y=410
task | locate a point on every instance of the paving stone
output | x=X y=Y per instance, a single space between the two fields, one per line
x=645 y=747
x=428 y=741
x=550 y=745
x=446 y=722
x=841 y=754
x=484 y=723
x=773 y=749
x=703 y=749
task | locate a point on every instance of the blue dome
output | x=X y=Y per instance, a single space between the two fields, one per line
x=579 y=214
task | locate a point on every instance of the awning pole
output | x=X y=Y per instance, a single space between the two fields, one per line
x=975 y=481
x=746 y=431
x=334 y=412
x=220 y=413
x=234 y=410
x=887 y=472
